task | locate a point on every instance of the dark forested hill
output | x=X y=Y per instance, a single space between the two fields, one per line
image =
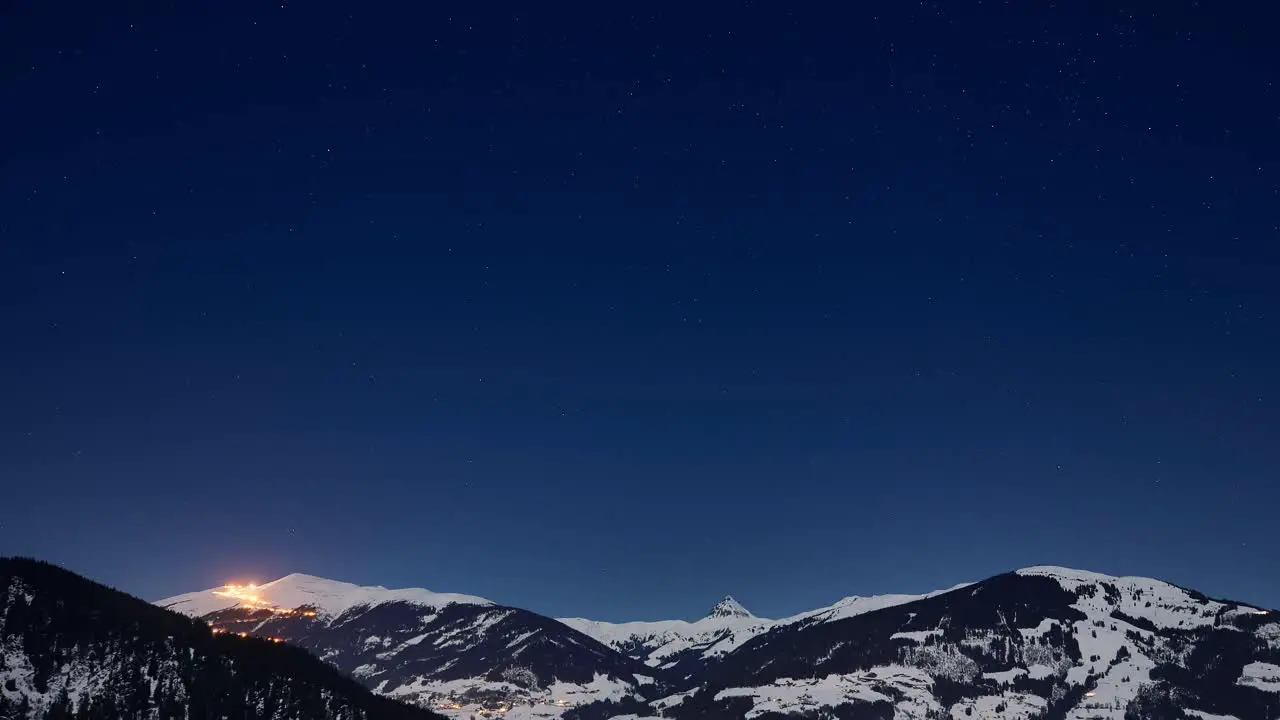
x=72 y=648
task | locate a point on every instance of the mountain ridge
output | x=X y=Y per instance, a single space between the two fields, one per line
x=449 y=651
x=846 y=601
x=331 y=597
x=1039 y=642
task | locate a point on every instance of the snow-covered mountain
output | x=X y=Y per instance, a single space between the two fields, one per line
x=857 y=605
x=729 y=608
x=1042 y=642
x=678 y=646
x=458 y=654
x=330 y=598
x=685 y=649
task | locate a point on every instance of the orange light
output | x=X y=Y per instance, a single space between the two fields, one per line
x=247 y=596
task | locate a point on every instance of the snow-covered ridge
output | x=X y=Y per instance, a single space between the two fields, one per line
x=1159 y=602
x=328 y=597
x=725 y=628
x=661 y=643
x=1095 y=650
x=728 y=626
x=859 y=605
x=1103 y=639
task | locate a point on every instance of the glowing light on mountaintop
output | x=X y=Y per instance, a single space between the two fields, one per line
x=248 y=596
x=244 y=594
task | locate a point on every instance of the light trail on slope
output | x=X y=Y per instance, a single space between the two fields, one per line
x=247 y=595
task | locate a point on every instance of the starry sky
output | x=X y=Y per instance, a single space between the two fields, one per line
x=611 y=310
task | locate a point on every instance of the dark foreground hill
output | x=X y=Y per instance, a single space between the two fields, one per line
x=72 y=648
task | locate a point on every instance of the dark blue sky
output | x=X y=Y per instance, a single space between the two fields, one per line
x=609 y=311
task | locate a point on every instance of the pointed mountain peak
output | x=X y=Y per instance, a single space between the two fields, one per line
x=728 y=607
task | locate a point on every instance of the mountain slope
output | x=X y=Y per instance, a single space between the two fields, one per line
x=1042 y=642
x=857 y=605
x=686 y=649
x=327 y=597
x=70 y=647
x=678 y=646
x=457 y=653
x=1039 y=643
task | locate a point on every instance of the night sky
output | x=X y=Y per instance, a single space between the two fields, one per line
x=610 y=311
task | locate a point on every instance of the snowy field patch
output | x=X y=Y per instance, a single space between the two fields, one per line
x=1260 y=675
x=1209 y=716
x=1008 y=706
x=460 y=699
x=916 y=635
x=1006 y=676
x=871 y=686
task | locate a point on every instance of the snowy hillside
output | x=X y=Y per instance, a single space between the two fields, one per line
x=857 y=605
x=664 y=644
x=1042 y=642
x=457 y=654
x=685 y=648
x=327 y=597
